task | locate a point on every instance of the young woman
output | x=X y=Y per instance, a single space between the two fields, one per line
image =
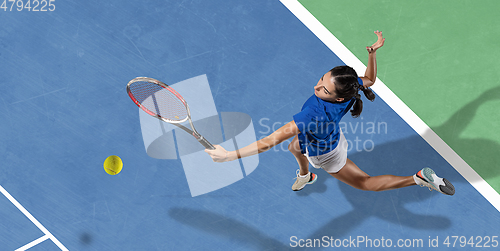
x=319 y=140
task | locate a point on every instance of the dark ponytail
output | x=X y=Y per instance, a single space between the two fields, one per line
x=347 y=87
x=368 y=93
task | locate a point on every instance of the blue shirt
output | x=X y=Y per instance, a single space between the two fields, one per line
x=318 y=123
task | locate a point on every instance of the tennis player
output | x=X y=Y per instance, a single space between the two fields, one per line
x=319 y=140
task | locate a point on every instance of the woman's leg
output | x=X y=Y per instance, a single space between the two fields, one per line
x=294 y=148
x=355 y=177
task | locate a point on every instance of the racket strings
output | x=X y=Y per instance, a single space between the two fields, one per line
x=159 y=100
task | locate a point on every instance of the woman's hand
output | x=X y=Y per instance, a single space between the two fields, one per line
x=376 y=45
x=219 y=154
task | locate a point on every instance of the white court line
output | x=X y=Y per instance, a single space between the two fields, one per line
x=32 y=219
x=395 y=103
x=33 y=243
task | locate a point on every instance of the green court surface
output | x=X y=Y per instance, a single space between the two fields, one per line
x=440 y=58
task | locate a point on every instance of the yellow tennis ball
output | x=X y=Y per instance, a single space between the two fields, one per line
x=113 y=165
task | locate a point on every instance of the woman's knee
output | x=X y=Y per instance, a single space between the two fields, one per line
x=294 y=147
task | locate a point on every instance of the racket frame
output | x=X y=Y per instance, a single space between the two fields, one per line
x=177 y=123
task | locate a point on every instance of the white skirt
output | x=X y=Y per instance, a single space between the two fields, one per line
x=331 y=161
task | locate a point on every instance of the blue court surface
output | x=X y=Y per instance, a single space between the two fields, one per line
x=64 y=109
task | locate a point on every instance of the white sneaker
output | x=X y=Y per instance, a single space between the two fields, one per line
x=429 y=179
x=302 y=182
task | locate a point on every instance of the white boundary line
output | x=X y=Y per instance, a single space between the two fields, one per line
x=47 y=235
x=395 y=103
x=33 y=243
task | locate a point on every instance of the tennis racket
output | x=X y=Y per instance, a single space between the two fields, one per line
x=163 y=102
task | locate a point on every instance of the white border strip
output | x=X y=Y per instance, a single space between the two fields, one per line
x=33 y=243
x=32 y=219
x=395 y=103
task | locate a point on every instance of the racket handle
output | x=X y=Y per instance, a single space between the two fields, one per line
x=205 y=143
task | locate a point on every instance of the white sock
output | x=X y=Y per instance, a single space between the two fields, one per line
x=417 y=180
x=303 y=176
